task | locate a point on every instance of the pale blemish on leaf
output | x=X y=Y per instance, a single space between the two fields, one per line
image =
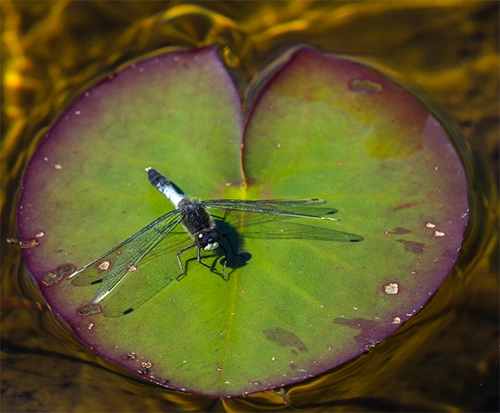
x=30 y=243
x=146 y=366
x=103 y=265
x=391 y=288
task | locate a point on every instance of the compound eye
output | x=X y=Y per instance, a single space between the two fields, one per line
x=209 y=238
x=202 y=239
x=214 y=235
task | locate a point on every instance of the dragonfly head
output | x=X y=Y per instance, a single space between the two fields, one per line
x=208 y=239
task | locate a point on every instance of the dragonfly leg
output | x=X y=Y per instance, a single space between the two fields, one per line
x=223 y=218
x=223 y=275
x=183 y=271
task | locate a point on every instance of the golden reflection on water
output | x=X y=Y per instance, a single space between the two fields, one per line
x=442 y=360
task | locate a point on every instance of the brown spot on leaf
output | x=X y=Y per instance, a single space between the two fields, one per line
x=89 y=310
x=285 y=338
x=146 y=366
x=366 y=84
x=399 y=231
x=29 y=243
x=58 y=274
x=412 y=246
x=405 y=206
x=368 y=329
x=160 y=380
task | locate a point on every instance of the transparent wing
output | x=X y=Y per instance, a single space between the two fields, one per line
x=133 y=250
x=288 y=207
x=155 y=272
x=285 y=227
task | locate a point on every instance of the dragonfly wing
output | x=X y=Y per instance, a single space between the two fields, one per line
x=153 y=274
x=284 y=228
x=137 y=249
x=300 y=208
x=85 y=276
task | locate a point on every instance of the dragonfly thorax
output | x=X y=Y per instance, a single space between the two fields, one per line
x=199 y=224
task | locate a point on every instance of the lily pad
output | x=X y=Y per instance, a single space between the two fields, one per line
x=297 y=302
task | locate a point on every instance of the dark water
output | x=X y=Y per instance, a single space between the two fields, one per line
x=444 y=359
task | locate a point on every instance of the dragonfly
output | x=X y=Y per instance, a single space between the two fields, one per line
x=191 y=214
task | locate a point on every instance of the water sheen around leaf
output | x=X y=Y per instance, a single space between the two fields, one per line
x=302 y=297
